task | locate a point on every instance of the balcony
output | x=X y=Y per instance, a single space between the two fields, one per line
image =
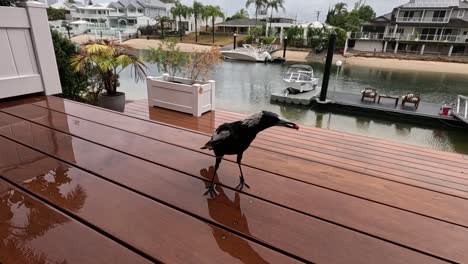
x=87 y=15
x=409 y=37
x=426 y=19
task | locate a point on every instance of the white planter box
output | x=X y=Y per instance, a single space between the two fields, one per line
x=184 y=97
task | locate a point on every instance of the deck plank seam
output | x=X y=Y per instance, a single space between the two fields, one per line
x=82 y=221
x=362 y=138
x=157 y=200
x=271 y=133
x=253 y=167
x=274 y=135
x=422 y=149
x=253 y=239
x=252 y=195
x=186 y=129
x=206 y=134
x=321 y=162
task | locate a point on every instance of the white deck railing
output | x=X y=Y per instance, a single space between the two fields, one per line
x=462 y=107
x=27 y=58
x=409 y=37
x=424 y=19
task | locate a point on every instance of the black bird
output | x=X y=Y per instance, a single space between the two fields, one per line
x=234 y=138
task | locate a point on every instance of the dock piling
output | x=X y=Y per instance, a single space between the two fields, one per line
x=285 y=44
x=328 y=65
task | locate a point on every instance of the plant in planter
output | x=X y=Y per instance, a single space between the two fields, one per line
x=168 y=58
x=192 y=95
x=106 y=59
x=198 y=69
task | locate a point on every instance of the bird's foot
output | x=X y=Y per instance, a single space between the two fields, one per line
x=211 y=191
x=241 y=184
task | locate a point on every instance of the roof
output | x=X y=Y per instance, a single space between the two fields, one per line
x=378 y=20
x=246 y=22
x=154 y=3
x=431 y=4
x=126 y=3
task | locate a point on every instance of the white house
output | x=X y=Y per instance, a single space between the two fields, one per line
x=418 y=27
x=126 y=13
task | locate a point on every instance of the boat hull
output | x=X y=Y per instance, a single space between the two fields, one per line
x=232 y=55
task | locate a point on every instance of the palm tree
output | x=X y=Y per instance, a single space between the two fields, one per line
x=205 y=15
x=259 y=4
x=197 y=11
x=108 y=58
x=162 y=21
x=213 y=12
x=274 y=5
x=179 y=11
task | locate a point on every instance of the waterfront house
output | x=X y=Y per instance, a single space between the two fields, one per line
x=128 y=14
x=417 y=27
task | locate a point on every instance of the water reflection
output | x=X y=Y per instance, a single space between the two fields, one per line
x=222 y=208
x=23 y=219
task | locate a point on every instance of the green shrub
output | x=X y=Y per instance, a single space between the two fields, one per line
x=55 y=14
x=73 y=83
x=168 y=57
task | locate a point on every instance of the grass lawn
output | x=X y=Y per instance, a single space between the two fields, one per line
x=220 y=40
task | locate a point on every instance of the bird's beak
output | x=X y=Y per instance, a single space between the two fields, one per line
x=287 y=124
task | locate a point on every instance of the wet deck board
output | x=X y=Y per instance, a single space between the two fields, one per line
x=351 y=216
x=35 y=239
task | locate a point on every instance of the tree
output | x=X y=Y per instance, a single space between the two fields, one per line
x=197 y=11
x=55 y=14
x=259 y=4
x=213 y=12
x=108 y=58
x=274 y=5
x=179 y=11
x=73 y=83
x=242 y=13
x=7 y=2
x=162 y=21
x=340 y=17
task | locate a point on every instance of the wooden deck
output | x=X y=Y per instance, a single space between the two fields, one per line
x=86 y=185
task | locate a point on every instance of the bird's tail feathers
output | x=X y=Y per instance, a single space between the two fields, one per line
x=208 y=146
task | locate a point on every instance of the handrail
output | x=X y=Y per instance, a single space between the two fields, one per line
x=409 y=37
x=460 y=98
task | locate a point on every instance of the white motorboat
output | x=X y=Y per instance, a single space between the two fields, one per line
x=299 y=78
x=248 y=53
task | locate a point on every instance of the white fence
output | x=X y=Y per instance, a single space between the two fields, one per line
x=26 y=51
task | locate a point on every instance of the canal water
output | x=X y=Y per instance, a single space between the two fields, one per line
x=246 y=87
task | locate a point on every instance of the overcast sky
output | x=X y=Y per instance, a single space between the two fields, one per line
x=305 y=10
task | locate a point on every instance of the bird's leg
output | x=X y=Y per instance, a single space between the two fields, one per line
x=211 y=189
x=242 y=182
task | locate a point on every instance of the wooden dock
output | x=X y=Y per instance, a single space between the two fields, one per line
x=426 y=112
x=80 y=184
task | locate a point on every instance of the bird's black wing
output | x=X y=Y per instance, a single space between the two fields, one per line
x=222 y=133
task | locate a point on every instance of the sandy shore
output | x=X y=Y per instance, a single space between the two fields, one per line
x=409 y=65
x=292 y=55
x=145 y=44
x=303 y=56
x=154 y=43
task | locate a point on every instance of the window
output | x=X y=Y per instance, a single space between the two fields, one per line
x=439 y=16
x=461 y=13
x=140 y=10
x=121 y=10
